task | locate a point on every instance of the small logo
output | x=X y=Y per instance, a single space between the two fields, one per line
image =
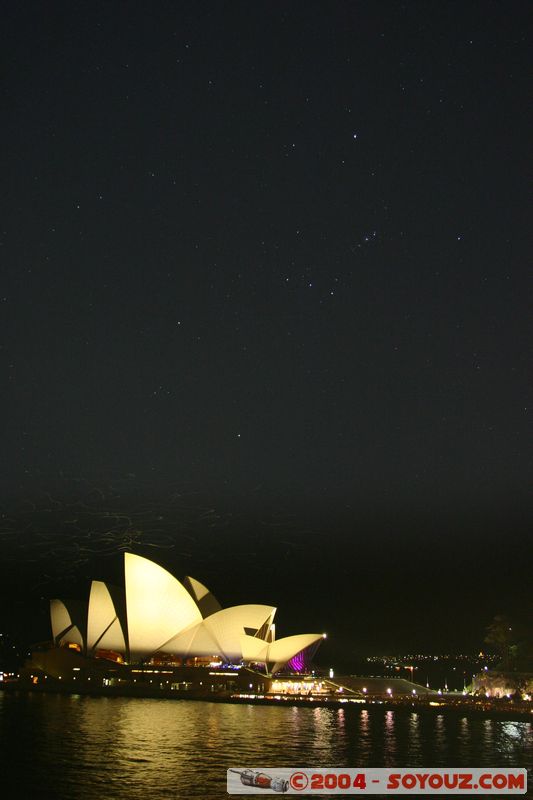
x=260 y=780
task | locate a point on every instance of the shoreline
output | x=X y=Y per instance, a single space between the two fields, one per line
x=468 y=708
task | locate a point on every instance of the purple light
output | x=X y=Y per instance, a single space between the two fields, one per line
x=297 y=662
x=301 y=661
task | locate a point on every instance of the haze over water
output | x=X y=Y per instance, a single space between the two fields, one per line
x=65 y=747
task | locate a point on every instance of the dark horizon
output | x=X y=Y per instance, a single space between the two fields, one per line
x=376 y=581
x=265 y=275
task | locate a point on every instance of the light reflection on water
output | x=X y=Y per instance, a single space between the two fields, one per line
x=390 y=740
x=118 y=748
x=414 y=739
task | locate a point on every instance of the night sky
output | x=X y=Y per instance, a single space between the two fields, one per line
x=264 y=292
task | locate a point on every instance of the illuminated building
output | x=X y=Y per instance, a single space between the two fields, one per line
x=156 y=618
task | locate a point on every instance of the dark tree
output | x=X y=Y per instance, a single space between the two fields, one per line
x=501 y=636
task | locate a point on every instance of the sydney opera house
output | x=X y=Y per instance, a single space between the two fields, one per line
x=155 y=624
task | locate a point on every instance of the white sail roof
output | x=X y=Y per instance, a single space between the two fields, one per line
x=64 y=629
x=282 y=650
x=74 y=636
x=228 y=625
x=254 y=649
x=205 y=599
x=59 y=617
x=158 y=606
x=221 y=633
x=194 y=641
x=104 y=630
x=198 y=589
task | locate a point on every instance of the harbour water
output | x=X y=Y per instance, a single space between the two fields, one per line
x=88 y=748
